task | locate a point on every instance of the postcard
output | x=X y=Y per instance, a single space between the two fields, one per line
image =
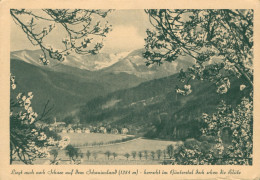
x=129 y=89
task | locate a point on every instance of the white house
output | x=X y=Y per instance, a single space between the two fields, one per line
x=86 y=130
x=70 y=130
x=114 y=131
x=103 y=130
x=124 y=131
x=78 y=130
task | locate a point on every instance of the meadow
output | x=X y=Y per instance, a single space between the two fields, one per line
x=98 y=156
x=84 y=139
x=97 y=153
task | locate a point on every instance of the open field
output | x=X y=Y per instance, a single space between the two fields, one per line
x=82 y=139
x=138 y=145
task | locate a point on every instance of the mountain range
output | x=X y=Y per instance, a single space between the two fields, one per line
x=81 y=78
x=131 y=62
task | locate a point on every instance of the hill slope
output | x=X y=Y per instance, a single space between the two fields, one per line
x=63 y=90
x=66 y=90
x=153 y=108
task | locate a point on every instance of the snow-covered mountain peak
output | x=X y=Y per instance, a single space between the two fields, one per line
x=130 y=62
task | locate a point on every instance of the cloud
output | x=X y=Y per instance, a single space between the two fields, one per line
x=124 y=38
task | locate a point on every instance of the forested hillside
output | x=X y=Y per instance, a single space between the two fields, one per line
x=154 y=108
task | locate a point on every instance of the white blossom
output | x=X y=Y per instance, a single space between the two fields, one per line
x=222 y=89
x=19 y=96
x=13 y=86
x=242 y=87
x=24 y=98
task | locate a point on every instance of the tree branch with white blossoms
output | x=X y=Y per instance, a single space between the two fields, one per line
x=239 y=122
x=84 y=30
x=214 y=148
x=220 y=41
x=27 y=141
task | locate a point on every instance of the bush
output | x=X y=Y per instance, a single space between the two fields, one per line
x=213 y=150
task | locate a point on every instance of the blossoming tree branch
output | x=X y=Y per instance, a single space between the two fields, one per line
x=221 y=44
x=83 y=30
x=207 y=36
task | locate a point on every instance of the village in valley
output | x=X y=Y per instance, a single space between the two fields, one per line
x=61 y=127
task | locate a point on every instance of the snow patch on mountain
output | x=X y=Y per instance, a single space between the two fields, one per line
x=113 y=58
x=24 y=56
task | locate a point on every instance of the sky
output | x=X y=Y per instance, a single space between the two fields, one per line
x=129 y=30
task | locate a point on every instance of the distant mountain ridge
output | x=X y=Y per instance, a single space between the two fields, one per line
x=85 y=62
x=131 y=62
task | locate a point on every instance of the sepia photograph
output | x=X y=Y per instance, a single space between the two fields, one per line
x=131 y=86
